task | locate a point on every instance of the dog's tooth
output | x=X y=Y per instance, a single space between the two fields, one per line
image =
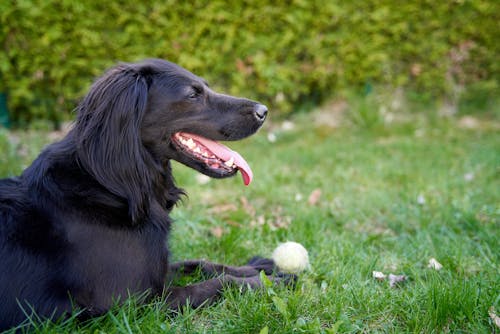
x=190 y=143
x=196 y=150
x=230 y=162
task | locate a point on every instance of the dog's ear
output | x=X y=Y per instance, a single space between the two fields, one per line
x=107 y=134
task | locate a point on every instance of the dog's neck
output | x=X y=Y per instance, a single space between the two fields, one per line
x=58 y=177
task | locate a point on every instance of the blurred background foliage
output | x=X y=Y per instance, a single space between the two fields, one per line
x=292 y=55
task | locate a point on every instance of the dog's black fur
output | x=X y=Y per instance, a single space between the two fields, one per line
x=87 y=223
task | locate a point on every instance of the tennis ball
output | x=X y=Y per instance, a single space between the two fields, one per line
x=291 y=257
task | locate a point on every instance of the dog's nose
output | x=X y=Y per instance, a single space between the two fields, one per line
x=260 y=112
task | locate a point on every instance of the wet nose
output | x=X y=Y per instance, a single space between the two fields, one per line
x=260 y=112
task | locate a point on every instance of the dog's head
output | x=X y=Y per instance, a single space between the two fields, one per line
x=184 y=119
x=137 y=117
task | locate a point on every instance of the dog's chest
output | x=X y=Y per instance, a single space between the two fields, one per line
x=113 y=263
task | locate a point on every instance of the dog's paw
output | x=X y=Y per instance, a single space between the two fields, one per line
x=272 y=271
x=290 y=280
x=258 y=282
x=263 y=264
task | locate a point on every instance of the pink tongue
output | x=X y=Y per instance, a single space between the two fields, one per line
x=226 y=154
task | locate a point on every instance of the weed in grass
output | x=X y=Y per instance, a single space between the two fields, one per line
x=366 y=113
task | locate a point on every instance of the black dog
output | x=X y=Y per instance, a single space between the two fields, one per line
x=87 y=223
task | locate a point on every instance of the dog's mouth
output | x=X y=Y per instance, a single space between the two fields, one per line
x=218 y=159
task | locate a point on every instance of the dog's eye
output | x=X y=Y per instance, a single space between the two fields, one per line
x=195 y=92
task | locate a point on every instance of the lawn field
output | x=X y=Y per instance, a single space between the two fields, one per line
x=360 y=198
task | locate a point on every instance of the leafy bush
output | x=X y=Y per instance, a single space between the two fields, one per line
x=288 y=54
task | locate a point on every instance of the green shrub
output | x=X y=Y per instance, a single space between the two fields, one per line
x=288 y=54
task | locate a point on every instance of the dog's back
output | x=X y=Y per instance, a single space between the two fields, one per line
x=27 y=274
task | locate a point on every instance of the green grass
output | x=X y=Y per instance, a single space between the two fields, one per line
x=392 y=197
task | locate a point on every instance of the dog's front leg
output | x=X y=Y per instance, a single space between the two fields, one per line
x=194 y=295
x=208 y=291
x=253 y=268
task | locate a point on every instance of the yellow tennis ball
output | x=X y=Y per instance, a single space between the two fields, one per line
x=291 y=257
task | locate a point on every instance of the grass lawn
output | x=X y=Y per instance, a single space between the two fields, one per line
x=360 y=199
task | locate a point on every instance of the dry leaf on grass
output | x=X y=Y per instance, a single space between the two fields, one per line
x=394 y=280
x=222 y=208
x=281 y=222
x=258 y=221
x=217 y=232
x=249 y=209
x=468 y=122
x=378 y=275
x=277 y=220
x=233 y=223
x=434 y=264
x=494 y=317
x=314 y=197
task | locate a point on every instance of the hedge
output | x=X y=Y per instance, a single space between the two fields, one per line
x=284 y=53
